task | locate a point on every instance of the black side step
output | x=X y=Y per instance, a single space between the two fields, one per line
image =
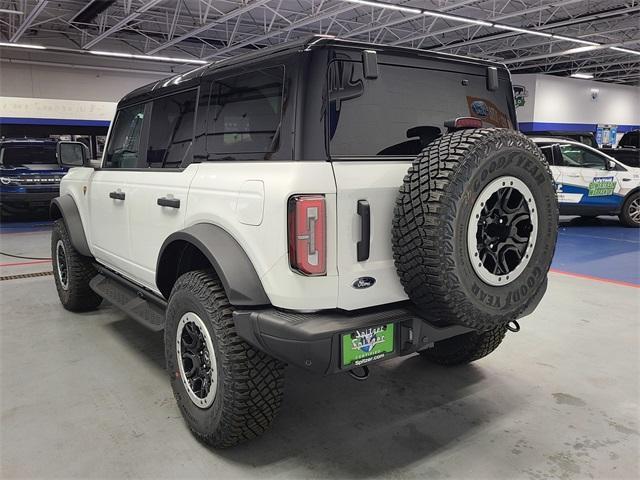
x=142 y=306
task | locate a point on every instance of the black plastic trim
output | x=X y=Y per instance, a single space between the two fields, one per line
x=238 y=275
x=68 y=210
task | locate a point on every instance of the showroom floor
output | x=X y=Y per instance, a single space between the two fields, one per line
x=86 y=395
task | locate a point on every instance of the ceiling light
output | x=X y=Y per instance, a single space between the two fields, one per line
x=522 y=30
x=457 y=19
x=149 y=57
x=386 y=5
x=625 y=50
x=575 y=40
x=22 y=45
x=580 y=49
x=584 y=76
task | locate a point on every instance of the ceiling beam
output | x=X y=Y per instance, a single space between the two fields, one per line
x=196 y=31
x=298 y=24
x=28 y=20
x=121 y=23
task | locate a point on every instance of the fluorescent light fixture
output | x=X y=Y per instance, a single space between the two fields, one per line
x=22 y=45
x=522 y=30
x=11 y=12
x=584 y=76
x=625 y=50
x=575 y=40
x=456 y=19
x=581 y=49
x=149 y=57
x=389 y=6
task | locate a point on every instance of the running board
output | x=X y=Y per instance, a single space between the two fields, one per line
x=142 y=306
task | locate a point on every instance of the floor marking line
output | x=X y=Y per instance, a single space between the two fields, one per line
x=598 y=237
x=597 y=279
x=15 y=264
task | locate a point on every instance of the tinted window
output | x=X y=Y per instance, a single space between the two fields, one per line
x=19 y=155
x=404 y=109
x=547 y=150
x=575 y=156
x=245 y=112
x=124 y=141
x=631 y=139
x=171 y=130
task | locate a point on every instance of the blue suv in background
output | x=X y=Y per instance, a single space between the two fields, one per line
x=29 y=174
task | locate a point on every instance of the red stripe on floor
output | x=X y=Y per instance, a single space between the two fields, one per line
x=15 y=264
x=597 y=279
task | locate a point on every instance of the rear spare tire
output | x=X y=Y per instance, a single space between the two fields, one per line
x=475 y=227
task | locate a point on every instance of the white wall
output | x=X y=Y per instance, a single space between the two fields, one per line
x=563 y=100
x=39 y=91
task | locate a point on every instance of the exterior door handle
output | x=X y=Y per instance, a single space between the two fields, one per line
x=116 y=195
x=363 y=246
x=572 y=175
x=169 y=202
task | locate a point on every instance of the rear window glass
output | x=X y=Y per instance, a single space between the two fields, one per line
x=245 y=113
x=404 y=109
x=20 y=155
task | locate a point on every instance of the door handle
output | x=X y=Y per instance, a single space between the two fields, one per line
x=169 y=202
x=572 y=175
x=363 y=246
x=116 y=195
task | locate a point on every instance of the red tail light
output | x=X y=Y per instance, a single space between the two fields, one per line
x=307 y=234
x=463 y=122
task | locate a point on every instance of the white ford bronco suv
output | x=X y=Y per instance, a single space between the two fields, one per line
x=324 y=203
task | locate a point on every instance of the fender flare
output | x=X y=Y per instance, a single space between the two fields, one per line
x=65 y=207
x=234 y=268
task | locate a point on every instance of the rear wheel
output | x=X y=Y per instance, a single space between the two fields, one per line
x=630 y=214
x=228 y=392
x=475 y=228
x=465 y=348
x=72 y=272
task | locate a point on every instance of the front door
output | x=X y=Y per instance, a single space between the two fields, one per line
x=108 y=192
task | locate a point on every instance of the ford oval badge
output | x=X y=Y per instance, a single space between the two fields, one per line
x=363 y=282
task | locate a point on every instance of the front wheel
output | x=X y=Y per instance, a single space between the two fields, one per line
x=228 y=392
x=630 y=214
x=465 y=348
x=72 y=272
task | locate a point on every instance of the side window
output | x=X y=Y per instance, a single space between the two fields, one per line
x=575 y=156
x=631 y=139
x=124 y=141
x=171 y=129
x=547 y=150
x=245 y=113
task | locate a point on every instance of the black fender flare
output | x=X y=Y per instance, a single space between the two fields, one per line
x=65 y=207
x=234 y=268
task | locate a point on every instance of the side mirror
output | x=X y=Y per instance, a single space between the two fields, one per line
x=611 y=165
x=72 y=154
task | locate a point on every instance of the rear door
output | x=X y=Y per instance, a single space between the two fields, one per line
x=375 y=128
x=160 y=188
x=588 y=186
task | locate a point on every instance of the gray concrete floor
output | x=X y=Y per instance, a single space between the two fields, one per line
x=86 y=396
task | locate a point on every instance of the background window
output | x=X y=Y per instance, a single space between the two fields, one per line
x=171 y=130
x=245 y=113
x=575 y=156
x=125 y=138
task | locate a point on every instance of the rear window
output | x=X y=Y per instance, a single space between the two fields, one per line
x=20 y=155
x=404 y=109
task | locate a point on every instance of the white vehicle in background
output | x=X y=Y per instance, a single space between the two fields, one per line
x=590 y=183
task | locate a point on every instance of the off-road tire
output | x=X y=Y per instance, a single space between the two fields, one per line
x=78 y=296
x=250 y=383
x=432 y=218
x=465 y=348
x=625 y=213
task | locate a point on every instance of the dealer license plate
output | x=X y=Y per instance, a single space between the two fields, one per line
x=367 y=345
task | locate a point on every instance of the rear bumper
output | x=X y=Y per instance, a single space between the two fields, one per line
x=313 y=340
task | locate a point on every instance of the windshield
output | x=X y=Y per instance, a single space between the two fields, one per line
x=12 y=156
